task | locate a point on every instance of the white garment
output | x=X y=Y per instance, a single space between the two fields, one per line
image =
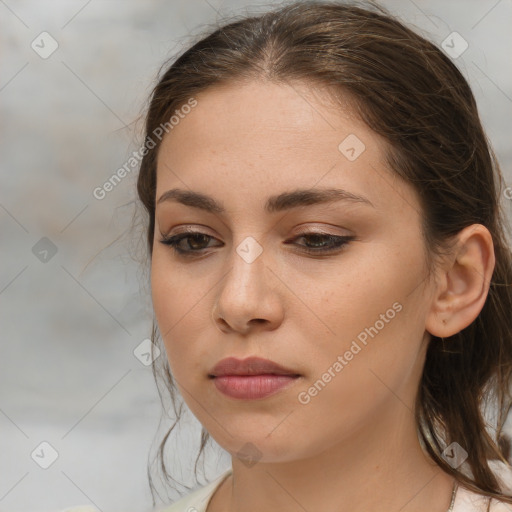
x=197 y=501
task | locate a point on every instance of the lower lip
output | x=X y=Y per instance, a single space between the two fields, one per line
x=251 y=387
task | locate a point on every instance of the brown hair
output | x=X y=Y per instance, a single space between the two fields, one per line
x=407 y=90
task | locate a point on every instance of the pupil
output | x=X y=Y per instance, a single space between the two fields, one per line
x=194 y=239
x=318 y=239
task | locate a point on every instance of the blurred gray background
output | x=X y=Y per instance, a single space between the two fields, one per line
x=74 y=296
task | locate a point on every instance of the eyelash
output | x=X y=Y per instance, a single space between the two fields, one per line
x=338 y=243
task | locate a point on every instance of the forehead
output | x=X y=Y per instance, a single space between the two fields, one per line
x=246 y=140
x=246 y=115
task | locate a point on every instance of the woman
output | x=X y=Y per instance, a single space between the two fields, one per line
x=329 y=268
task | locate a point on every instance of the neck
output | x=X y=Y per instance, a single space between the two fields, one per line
x=381 y=467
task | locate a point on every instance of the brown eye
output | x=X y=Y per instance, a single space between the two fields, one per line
x=323 y=242
x=193 y=242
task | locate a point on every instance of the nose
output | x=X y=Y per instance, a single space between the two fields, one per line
x=248 y=297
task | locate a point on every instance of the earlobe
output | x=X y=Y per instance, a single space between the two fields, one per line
x=464 y=283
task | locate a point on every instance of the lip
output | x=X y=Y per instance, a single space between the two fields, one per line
x=252 y=378
x=252 y=387
x=249 y=366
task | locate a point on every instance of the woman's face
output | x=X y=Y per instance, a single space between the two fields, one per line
x=348 y=319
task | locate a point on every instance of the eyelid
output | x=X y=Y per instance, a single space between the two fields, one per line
x=304 y=230
x=320 y=229
x=336 y=244
x=198 y=229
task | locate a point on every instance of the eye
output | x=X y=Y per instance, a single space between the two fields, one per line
x=194 y=243
x=323 y=243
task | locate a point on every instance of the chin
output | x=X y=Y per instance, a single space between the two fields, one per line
x=252 y=446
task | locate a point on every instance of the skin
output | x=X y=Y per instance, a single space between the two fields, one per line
x=354 y=446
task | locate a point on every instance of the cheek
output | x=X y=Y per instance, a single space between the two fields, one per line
x=179 y=302
x=373 y=317
x=174 y=290
x=353 y=299
x=164 y=294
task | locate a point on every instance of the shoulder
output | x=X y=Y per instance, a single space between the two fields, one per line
x=468 y=501
x=503 y=472
x=499 y=506
x=198 y=500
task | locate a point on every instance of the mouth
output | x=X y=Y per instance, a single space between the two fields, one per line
x=250 y=366
x=253 y=387
x=252 y=378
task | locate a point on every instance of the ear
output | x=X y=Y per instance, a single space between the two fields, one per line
x=463 y=283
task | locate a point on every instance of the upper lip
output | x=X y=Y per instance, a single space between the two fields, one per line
x=249 y=366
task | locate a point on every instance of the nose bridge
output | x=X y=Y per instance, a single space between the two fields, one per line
x=245 y=293
x=247 y=265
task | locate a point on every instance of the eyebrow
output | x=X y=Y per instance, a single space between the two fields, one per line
x=277 y=203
